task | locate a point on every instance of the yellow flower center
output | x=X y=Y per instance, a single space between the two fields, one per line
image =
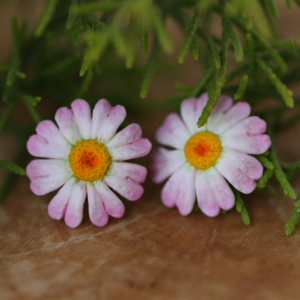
x=89 y=160
x=203 y=149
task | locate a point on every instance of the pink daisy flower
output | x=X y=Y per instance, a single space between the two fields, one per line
x=204 y=157
x=85 y=156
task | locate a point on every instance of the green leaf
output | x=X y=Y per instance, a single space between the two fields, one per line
x=262 y=181
x=242 y=87
x=213 y=94
x=274 y=8
x=203 y=80
x=194 y=49
x=240 y=207
x=265 y=162
x=11 y=167
x=189 y=37
x=293 y=47
x=45 y=17
x=237 y=46
x=144 y=40
x=280 y=175
x=293 y=220
x=286 y=94
x=289 y=3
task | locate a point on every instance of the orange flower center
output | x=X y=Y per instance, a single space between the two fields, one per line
x=89 y=160
x=203 y=149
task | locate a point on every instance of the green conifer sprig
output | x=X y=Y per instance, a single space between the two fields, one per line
x=293 y=220
x=240 y=207
x=11 y=167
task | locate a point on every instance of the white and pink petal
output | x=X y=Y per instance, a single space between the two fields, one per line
x=48 y=142
x=173 y=132
x=112 y=204
x=137 y=149
x=82 y=117
x=213 y=192
x=125 y=170
x=179 y=190
x=236 y=176
x=165 y=163
x=74 y=211
x=128 y=135
x=47 y=175
x=64 y=118
x=58 y=205
x=126 y=187
x=191 y=110
x=97 y=212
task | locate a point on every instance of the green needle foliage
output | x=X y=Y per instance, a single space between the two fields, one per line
x=293 y=220
x=111 y=48
x=240 y=207
x=11 y=167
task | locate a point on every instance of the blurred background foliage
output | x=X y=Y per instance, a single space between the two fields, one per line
x=113 y=48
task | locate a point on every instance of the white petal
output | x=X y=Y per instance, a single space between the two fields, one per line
x=137 y=149
x=236 y=177
x=74 y=212
x=179 y=190
x=58 y=204
x=107 y=120
x=128 y=170
x=48 y=142
x=127 y=188
x=213 y=192
x=82 y=117
x=113 y=205
x=224 y=121
x=64 y=118
x=97 y=213
x=47 y=175
x=165 y=163
x=128 y=135
x=173 y=132
x=100 y=113
x=223 y=105
x=191 y=110
x=246 y=163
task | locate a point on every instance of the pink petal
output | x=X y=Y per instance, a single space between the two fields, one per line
x=246 y=163
x=107 y=122
x=123 y=170
x=127 y=188
x=213 y=192
x=64 y=118
x=97 y=213
x=236 y=177
x=113 y=205
x=249 y=126
x=47 y=175
x=256 y=144
x=128 y=135
x=191 y=110
x=173 y=132
x=224 y=121
x=179 y=190
x=74 y=212
x=205 y=195
x=223 y=105
x=82 y=117
x=58 y=204
x=165 y=163
x=48 y=142
x=137 y=149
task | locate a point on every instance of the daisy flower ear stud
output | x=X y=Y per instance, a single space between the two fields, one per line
x=204 y=158
x=85 y=156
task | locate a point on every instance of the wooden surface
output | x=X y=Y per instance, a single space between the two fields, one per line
x=152 y=252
